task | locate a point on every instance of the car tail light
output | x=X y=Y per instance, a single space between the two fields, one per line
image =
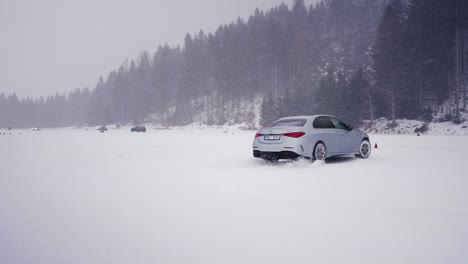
x=258 y=135
x=294 y=134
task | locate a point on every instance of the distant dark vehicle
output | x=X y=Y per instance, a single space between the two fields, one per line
x=9 y=128
x=138 y=129
x=102 y=129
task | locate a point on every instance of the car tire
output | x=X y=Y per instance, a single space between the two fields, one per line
x=365 y=149
x=320 y=152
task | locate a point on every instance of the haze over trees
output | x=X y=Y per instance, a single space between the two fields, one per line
x=357 y=59
x=419 y=59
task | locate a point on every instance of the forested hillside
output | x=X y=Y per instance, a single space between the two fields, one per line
x=419 y=60
x=357 y=59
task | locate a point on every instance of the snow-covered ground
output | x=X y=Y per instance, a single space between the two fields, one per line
x=197 y=196
x=408 y=127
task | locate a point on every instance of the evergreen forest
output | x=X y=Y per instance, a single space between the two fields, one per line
x=355 y=59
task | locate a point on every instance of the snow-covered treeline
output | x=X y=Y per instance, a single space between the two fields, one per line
x=357 y=59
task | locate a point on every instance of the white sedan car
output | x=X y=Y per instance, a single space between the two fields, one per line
x=313 y=137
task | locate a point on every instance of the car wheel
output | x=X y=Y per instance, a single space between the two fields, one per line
x=365 y=149
x=320 y=151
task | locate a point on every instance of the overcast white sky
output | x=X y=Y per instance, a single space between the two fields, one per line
x=51 y=46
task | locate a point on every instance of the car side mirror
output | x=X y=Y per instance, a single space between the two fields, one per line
x=350 y=127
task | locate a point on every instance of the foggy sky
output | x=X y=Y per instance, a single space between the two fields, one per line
x=51 y=46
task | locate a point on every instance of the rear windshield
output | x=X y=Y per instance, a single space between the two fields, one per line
x=290 y=122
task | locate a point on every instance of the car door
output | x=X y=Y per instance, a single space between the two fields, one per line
x=345 y=137
x=327 y=132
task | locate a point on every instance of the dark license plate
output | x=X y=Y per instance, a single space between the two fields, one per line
x=272 y=137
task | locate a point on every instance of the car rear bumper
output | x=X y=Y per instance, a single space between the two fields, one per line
x=275 y=155
x=292 y=149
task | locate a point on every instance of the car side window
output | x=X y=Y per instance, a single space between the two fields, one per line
x=323 y=122
x=338 y=124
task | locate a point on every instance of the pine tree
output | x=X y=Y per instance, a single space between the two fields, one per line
x=356 y=103
x=267 y=111
x=388 y=56
x=326 y=94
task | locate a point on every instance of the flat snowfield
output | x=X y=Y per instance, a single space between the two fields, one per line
x=198 y=196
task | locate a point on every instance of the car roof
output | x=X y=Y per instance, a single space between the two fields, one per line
x=309 y=117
